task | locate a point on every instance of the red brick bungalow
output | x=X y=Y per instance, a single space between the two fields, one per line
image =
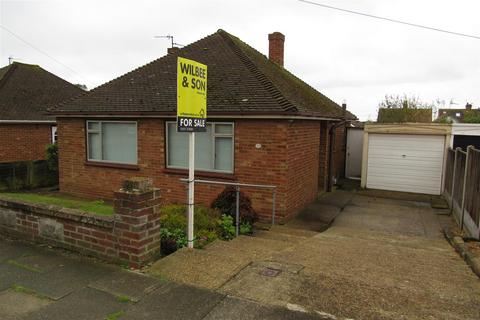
x=266 y=126
x=25 y=93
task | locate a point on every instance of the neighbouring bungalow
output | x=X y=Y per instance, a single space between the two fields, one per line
x=265 y=126
x=25 y=93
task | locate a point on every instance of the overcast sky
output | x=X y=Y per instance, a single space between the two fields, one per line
x=346 y=57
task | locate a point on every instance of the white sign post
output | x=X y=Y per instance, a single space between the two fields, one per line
x=191 y=187
x=191 y=118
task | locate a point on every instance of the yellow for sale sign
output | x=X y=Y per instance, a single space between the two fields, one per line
x=191 y=96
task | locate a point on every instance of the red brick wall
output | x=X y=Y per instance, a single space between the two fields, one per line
x=303 y=163
x=266 y=165
x=323 y=156
x=23 y=142
x=287 y=158
x=130 y=236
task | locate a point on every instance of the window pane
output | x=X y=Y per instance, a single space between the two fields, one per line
x=94 y=126
x=177 y=147
x=223 y=154
x=224 y=128
x=94 y=146
x=204 y=149
x=119 y=142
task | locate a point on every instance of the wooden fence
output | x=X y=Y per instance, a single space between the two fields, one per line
x=462 y=188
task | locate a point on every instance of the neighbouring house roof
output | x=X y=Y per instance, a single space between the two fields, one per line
x=457 y=115
x=26 y=91
x=241 y=81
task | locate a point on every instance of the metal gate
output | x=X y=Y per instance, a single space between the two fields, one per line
x=353 y=161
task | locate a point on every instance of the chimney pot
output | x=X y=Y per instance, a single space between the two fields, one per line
x=173 y=50
x=276 y=42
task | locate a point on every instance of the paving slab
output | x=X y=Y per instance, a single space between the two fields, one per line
x=85 y=304
x=126 y=284
x=62 y=281
x=11 y=274
x=239 y=309
x=9 y=251
x=42 y=261
x=16 y=305
x=175 y=301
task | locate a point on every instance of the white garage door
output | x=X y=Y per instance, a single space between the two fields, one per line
x=409 y=163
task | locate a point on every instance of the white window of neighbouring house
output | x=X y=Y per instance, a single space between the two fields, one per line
x=213 y=149
x=112 y=141
x=54 y=134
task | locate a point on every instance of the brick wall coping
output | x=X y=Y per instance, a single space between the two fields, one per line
x=58 y=212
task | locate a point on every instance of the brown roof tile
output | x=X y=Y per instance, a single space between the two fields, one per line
x=26 y=91
x=241 y=80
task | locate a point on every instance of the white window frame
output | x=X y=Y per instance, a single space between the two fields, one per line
x=53 y=130
x=214 y=136
x=87 y=131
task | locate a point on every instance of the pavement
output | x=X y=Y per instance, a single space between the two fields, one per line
x=37 y=282
x=381 y=257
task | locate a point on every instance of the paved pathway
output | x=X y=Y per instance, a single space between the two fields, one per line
x=40 y=283
x=380 y=259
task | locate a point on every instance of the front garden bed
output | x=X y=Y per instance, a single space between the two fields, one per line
x=216 y=222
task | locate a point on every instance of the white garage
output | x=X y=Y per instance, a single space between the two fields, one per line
x=405 y=157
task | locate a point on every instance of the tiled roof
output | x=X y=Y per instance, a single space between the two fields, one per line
x=241 y=80
x=26 y=91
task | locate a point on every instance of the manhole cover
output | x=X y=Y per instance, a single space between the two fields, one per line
x=269 y=272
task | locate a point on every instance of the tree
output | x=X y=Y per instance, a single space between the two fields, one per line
x=410 y=102
x=471 y=116
x=399 y=109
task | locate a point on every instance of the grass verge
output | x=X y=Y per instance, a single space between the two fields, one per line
x=96 y=207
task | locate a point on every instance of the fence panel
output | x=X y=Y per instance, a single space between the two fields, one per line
x=459 y=175
x=472 y=191
x=449 y=172
x=26 y=175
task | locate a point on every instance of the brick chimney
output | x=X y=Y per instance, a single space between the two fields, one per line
x=468 y=106
x=173 y=50
x=275 y=47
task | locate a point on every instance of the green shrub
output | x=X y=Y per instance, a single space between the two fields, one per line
x=51 y=156
x=226 y=204
x=204 y=237
x=173 y=222
x=173 y=217
x=172 y=240
x=245 y=228
x=227 y=229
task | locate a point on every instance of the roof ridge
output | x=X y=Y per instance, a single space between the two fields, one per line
x=264 y=80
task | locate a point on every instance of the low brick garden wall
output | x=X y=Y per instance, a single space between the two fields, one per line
x=130 y=236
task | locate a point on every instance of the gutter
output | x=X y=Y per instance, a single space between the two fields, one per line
x=28 y=121
x=218 y=116
x=331 y=142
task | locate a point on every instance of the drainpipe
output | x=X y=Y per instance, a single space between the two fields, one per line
x=331 y=136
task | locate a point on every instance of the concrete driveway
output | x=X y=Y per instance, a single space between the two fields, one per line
x=380 y=259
